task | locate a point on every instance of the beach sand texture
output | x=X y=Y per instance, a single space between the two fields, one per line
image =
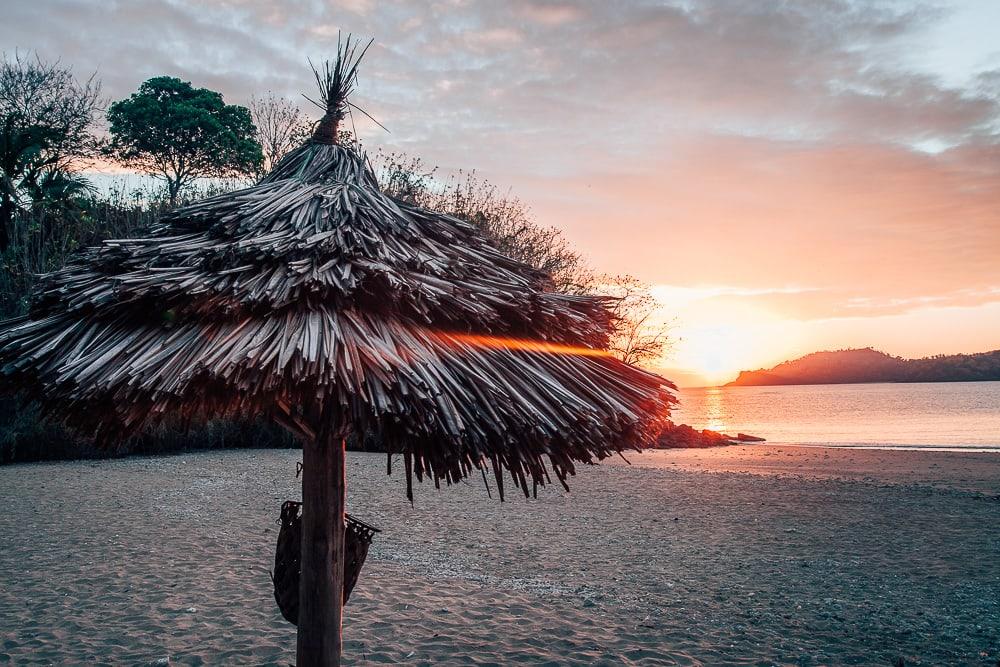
x=680 y=558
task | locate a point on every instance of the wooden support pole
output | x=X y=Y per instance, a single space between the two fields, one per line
x=321 y=585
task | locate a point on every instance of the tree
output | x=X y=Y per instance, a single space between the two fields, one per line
x=281 y=126
x=59 y=191
x=406 y=178
x=637 y=338
x=45 y=120
x=505 y=219
x=179 y=133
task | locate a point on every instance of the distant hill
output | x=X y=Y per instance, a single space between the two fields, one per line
x=869 y=365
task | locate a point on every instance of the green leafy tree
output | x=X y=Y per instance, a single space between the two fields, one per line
x=45 y=120
x=179 y=133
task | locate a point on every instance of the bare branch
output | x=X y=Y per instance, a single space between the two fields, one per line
x=281 y=126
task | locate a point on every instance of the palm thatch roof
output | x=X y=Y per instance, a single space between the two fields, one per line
x=313 y=288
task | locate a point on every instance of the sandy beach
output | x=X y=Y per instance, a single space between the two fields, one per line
x=739 y=556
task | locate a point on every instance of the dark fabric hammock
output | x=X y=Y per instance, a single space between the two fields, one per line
x=288 y=552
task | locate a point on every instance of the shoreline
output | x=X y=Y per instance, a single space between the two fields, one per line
x=955 y=449
x=730 y=385
x=941 y=449
x=975 y=472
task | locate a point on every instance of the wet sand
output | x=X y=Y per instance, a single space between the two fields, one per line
x=739 y=556
x=971 y=471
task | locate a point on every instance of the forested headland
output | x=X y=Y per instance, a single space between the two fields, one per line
x=869 y=365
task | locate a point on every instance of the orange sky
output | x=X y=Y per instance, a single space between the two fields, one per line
x=789 y=176
x=762 y=252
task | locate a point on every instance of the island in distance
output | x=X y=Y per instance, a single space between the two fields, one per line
x=870 y=365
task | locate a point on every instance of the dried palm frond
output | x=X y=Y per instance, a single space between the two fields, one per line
x=336 y=81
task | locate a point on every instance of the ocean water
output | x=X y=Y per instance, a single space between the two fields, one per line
x=941 y=415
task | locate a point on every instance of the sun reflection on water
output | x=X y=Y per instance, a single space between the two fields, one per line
x=714 y=411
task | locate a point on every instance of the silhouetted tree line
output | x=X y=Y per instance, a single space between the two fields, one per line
x=197 y=145
x=953 y=368
x=869 y=365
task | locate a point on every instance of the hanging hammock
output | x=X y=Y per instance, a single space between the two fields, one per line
x=285 y=577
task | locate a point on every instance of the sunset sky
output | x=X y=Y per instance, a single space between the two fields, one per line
x=788 y=176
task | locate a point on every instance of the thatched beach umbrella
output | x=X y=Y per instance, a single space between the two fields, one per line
x=314 y=298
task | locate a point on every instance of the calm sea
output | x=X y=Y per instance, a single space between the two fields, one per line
x=950 y=415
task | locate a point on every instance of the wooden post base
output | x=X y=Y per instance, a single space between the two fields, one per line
x=321 y=600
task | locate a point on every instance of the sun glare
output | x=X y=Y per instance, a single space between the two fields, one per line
x=715 y=353
x=520 y=344
x=719 y=334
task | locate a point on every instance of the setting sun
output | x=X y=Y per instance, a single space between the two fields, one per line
x=718 y=334
x=716 y=354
